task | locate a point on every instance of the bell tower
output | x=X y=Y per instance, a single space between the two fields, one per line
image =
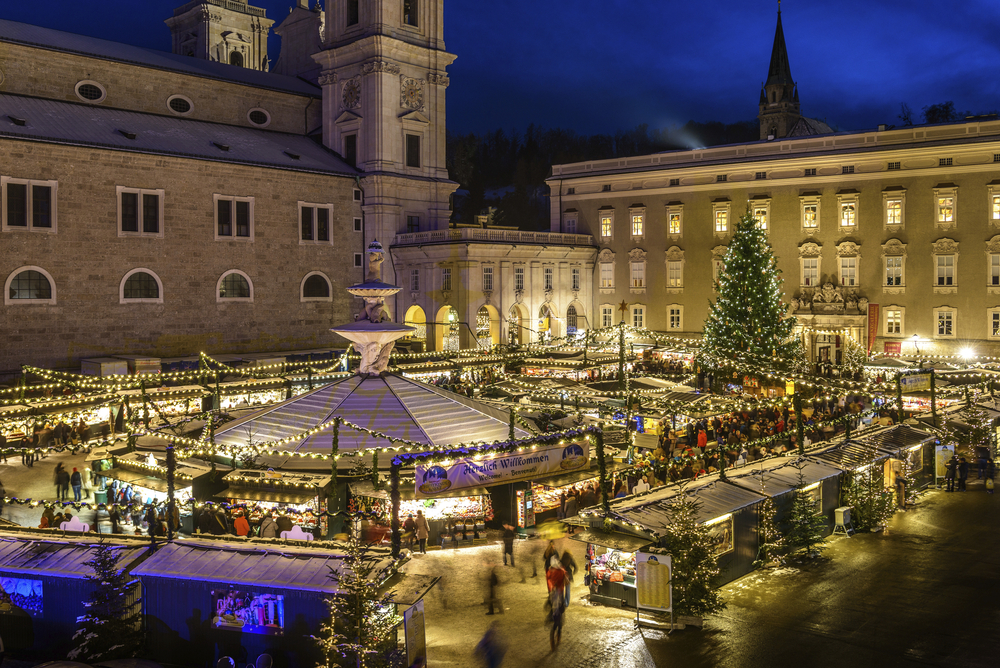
x=227 y=31
x=779 y=96
x=383 y=78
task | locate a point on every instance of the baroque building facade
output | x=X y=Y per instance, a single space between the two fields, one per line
x=160 y=203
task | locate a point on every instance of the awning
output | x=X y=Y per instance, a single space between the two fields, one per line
x=615 y=541
x=409 y=588
x=408 y=493
x=563 y=479
x=144 y=481
x=269 y=496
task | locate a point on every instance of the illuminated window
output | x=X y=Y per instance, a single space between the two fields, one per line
x=810 y=271
x=946 y=206
x=518 y=278
x=994 y=269
x=721 y=215
x=674 y=224
x=994 y=323
x=894 y=212
x=548 y=276
x=894 y=271
x=607 y=275
x=946 y=209
x=995 y=207
x=638 y=224
x=675 y=274
x=760 y=212
x=810 y=216
x=849 y=271
x=607 y=224
x=639 y=316
x=638 y=274
x=576 y=279
x=675 y=317
x=607 y=316
x=487 y=278
x=848 y=214
x=945 y=270
x=893 y=322
x=945 y=318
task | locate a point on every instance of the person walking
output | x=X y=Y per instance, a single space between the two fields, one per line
x=76 y=481
x=493 y=584
x=963 y=474
x=116 y=519
x=901 y=491
x=3 y=447
x=62 y=482
x=549 y=554
x=949 y=476
x=410 y=531
x=569 y=566
x=990 y=472
x=423 y=531
x=556 y=577
x=508 y=543
x=491 y=648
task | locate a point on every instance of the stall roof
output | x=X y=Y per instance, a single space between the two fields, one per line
x=564 y=479
x=852 y=455
x=408 y=588
x=145 y=481
x=137 y=462
x=267 y=495
x=303 y=570
x=898 y=437
x=613 y=540
x=784 y=478
x=59 y=559
x=407 y=491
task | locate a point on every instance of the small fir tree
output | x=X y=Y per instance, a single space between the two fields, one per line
x=806 y=523
x=975 y=434
x=871 y=502
x=693 y=560
x=910 y=480
x=749 y=318
x=855 y=357
x=772 y=542
x=110 y=627
x=362 y=623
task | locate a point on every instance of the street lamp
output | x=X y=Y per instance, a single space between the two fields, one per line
x=915 y=340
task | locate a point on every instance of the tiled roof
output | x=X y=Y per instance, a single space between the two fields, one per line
x=67 y=42
x=86 y=125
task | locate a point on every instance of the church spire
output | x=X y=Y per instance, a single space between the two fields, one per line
x=779 y=72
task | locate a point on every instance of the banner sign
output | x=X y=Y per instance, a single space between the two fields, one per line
x=915 y=382
x=872 y=325
x=467 y=472
x=413 y=629
x=652 y=581
x=942 y=455
x=892 y=348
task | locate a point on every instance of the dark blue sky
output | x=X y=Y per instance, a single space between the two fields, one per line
x=602 y=65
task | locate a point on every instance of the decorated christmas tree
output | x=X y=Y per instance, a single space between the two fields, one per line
x=110 y=627
x=772 y=541
x=748 y=321
x=361 y=628
x=806 y=523
x=871 y=502
x=693 y=560
x=974 y=430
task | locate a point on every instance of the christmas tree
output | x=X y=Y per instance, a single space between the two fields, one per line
x=772 y=541
x=362 y=620
x=974 y=431
x=110 y=627
x=855 y=357
x=806 y=523
x=910 y=479
x=865 y=492
x=693 y=560
x=748 y=319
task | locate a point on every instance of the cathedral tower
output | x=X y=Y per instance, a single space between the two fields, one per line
x=227 y=31
x=779 y=97
x=383 y=79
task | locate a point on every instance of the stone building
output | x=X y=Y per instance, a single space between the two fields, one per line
x=161 y=204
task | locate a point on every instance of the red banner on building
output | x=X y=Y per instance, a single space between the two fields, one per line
x=893 y=348
x=872 y=325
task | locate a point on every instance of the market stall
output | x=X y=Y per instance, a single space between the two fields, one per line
x=547 y=492
x=252 y=392
x=169 y=401
x=781 y=482
x=609 y=570
x=914 y=448
x=456 y=519
x=300 y=496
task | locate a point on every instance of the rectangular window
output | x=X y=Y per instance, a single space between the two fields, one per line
x=893 y=165
x=810 y=171
x=17 y=205
x=760 y=175
x=674 y=317
x=675 y=274
x=674 y=223
x=721 y=220
x=412 y=224
x=945 y=323
x=233 y=217
x=944 y=162
x=720 y=178
x=607 y=275
x=570 y=191
x=894 y=212
x=576 y=279
x=140 y=212
x=357 y=224
x=810 y=271
x=413 y=150
x=351 y=150
x=638 y=274
x=41 y=206
x=487 y=278
x=848 y=213
x=849 y=271
x=995 y=270
x=810 y=216
x=760 y=215
x=847 y=169
x=410 y=12
x=446 y=279
x=518 y=278
x=315 y=222
x=946 y=209
x=638 y=224
x=995 y=324
x=995 y=207
x=606 y=188
x=357 y=260
x=675 y=182
x=607 y=316
x=893 y=271
x=607 y=224
x=893 y=322
x=352 y=13
x=29 y=204
x=414 y=280
x=548 y=275
x=639 y=317
x=570 y=226
x=945 y=270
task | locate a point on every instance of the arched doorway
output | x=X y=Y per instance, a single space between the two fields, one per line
x=517 y=326
x=447 y=328
x=236 y=58
x=416 y=318
x=487 y=326
x=548 y=324
x=576 y=320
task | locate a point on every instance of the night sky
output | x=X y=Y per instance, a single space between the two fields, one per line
x=603 y=65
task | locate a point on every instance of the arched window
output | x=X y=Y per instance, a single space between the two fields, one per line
x=315 y=288
x=236 y=58
x=571 y=320
x=30 y=285
x=234 y=285
x=140 y=285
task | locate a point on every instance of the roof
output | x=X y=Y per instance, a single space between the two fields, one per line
x=899 y=437
x=806 y=127
x=57 y=559
x=785 y=477
x=67 y=42
x=81 y=124
x=388 y=404
x=852 y=455
x=302 y=570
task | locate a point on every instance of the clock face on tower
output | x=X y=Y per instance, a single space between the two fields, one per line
x=411 y=93
x=352 y=93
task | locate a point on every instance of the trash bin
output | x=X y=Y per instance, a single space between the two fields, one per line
x=101 y=496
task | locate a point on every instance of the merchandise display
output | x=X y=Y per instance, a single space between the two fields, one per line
x=461 y=507
x=610 y=565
